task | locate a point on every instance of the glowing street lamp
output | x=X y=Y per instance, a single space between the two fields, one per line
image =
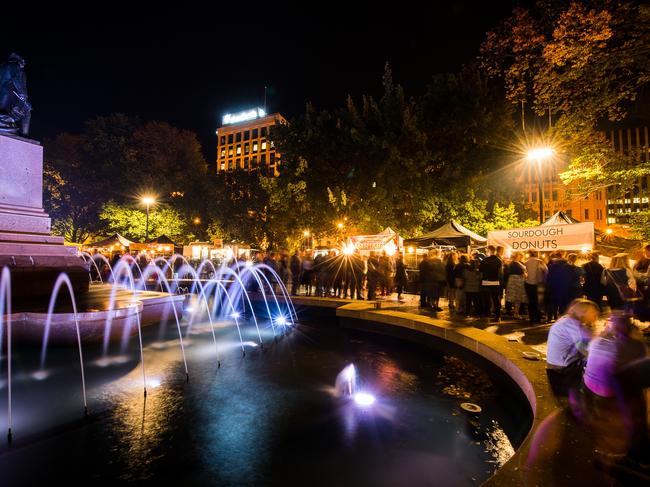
x=148 y=200
x=540 y=154
x=340 y=225
x=197 y=221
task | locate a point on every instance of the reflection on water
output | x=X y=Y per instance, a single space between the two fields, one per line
x=267 y=418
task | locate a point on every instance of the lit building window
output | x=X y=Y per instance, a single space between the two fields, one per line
x=264 y=145
x=223 y=152
x=246 y=148
x=239 y=150
x=255 y=147
x=230 y=152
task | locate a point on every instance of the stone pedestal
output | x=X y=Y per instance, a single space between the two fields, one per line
x=34 y=257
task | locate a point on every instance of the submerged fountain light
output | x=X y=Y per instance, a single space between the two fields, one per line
x=281 y=321
x=189 y=309
x=235 y=315
x=364 y=399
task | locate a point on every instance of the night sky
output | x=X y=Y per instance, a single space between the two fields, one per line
x=190 y=67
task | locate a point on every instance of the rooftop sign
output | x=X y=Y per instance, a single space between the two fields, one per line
x=230 y=118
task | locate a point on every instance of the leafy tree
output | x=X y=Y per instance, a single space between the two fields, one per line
x=131 y=222
x=120 y=158
x=585 y=63
x=407 y=163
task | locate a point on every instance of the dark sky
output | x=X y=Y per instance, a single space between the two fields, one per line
x=189 y=67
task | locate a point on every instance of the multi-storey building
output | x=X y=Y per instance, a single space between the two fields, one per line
x=243 y=142
x=560 y=197
x=603 y=207
x=634 y=142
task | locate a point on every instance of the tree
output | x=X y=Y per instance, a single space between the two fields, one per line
x=69 y=195
x=403 y=162
x=583 y=62
x=120 y=158
x=131 y=222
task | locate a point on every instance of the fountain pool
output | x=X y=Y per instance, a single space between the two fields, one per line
x=270 y=417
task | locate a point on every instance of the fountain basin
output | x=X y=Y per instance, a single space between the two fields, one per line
x=94 y=309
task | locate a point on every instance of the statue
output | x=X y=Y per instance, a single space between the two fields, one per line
x=15 y=110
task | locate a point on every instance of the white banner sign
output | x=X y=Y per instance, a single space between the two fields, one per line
x=578 y=236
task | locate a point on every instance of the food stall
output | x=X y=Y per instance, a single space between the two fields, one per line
x=109 y=245
x=387 y=241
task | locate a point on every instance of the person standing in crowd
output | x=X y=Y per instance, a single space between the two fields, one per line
x=337 y=273
x=459 y=282
x=491 y=269
x=558 y=282
x=515 y=289
x=439 y=278
x=619 y=281
x=401 y=278
x=535 y=276
x=374 y=269
x=450 y=264
x=425 y=269
x=576 y=277
x=568 y=342
x=307 y=273
x=472 y=289
x=283 y=265
x=294 y=267
x=272 y=270
x=593 y=274
x=319 y=273
x=354 y=281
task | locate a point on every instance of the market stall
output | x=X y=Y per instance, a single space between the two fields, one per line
x=387 y=241
x=451 y=234
x=107 y=246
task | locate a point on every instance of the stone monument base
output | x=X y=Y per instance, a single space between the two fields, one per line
x=34 y=257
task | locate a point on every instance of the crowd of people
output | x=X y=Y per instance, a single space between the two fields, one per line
x=328 y=274
x=536 y=287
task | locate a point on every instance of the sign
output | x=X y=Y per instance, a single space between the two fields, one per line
x=578 y=236
x=230 y=118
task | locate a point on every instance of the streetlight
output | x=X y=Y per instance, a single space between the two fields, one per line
x=540 y=154
x=148 y=200
x=306 y=235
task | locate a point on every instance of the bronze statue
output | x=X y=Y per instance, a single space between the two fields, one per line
x=15 y=110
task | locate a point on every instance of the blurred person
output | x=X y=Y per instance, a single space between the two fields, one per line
x=459 y=282
x=619 y=282
x=576 y=277
x=472 y=289
x=307 y=273
x=438 y=276
x=593 y=273
x=535 y=276
x=558 y=281
x=515 y=289
x=616 y=412
x=567 y=346
x=450 y=264
x=295 y=268
x=491 y=269
x=401 y=278
x=425 y=269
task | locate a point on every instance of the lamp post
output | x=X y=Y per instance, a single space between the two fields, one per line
x=147 y=200
x=539 y=155
x=306 y=234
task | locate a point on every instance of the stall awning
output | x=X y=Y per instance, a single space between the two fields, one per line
x=452 y=233
x=115 y=239
x=377 y=242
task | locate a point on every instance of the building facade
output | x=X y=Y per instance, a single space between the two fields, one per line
x=634 y=142
x=243 y=142
x=560 y=197
x=602 y=207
